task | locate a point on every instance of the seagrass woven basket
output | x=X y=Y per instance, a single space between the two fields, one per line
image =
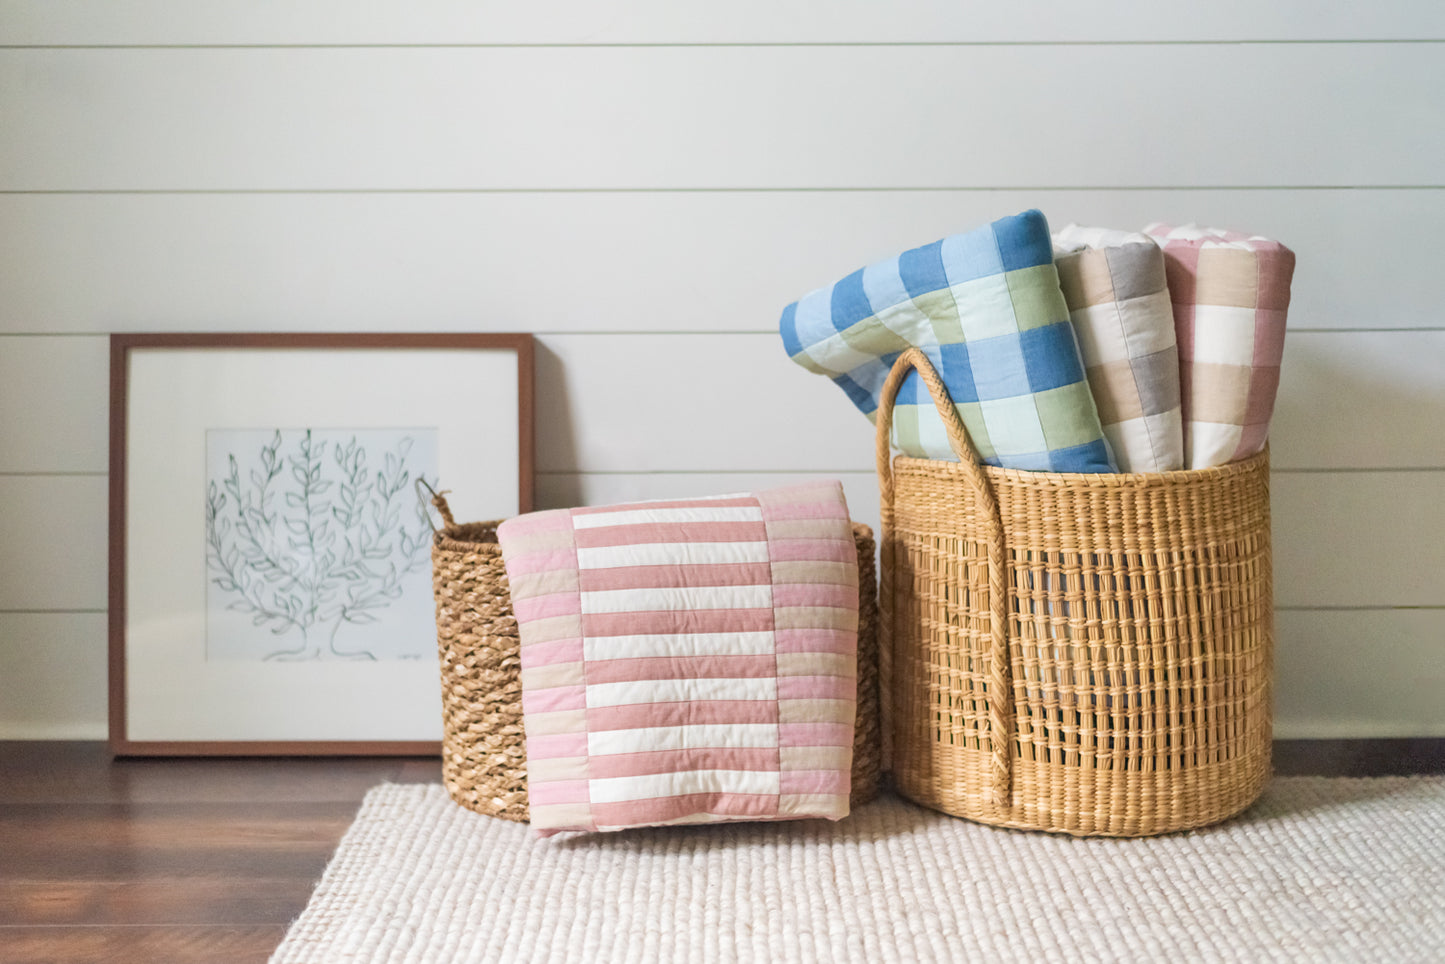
x=1087 y=654
x=484 y=753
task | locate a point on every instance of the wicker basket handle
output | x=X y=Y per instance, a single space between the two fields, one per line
x=438 y=499
x=1000 y=683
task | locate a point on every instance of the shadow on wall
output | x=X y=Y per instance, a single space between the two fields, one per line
x=556 y=439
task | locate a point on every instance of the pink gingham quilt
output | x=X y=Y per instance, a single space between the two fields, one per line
x=1230 y=294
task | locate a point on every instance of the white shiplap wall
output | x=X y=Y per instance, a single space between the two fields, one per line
x=645 y=184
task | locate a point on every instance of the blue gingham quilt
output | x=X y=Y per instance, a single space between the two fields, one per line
x=987 y=310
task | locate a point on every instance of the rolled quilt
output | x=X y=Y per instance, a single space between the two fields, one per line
x=691 y=661
x=986 y=309
x=1114 y=285
x=1230 y=294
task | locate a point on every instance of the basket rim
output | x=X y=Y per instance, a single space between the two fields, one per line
x=1106 y=480
x=446 y=537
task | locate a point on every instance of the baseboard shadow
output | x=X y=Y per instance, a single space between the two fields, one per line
x=1359 y=758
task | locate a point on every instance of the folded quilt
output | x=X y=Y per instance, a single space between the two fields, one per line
x=688 y=661
x=1230 y=294
x=987 y=310
x=1114 y=285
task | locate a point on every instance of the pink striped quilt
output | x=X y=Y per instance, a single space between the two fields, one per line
x=687 y=661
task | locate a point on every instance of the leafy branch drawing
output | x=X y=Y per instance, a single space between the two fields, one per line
x=308 y=545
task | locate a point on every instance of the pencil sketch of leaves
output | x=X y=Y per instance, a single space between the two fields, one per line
x=314 y=541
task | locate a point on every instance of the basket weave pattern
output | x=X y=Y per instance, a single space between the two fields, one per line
x=1089 y=654
x=484 y=755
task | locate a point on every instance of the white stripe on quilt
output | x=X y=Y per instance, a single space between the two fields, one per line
x=634 y=692
x=648 y=739
x=627 y=517
x=677 y=599
x=682 y=644
x=676 y=784
x=672 y=554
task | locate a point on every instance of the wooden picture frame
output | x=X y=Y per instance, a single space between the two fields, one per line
x=268 y=573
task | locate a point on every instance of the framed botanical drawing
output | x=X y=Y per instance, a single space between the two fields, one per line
x=270 y=567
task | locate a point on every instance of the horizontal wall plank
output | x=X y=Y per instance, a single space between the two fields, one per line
x=1361 y=400
x=1359 y=539
x=52 y=676
x=662 y=21
x=1371 y=673
x=670 y=117
x=1340 y=539
x=712 y=402
x=53 y=539
x=634 y=403
x=617 y=261
x=736 y=402
x=54 y=393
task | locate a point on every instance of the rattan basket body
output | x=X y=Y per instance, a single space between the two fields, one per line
x=484 y=754
x=1090 y=654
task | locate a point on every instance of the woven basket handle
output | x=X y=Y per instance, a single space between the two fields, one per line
x=438 y=499
x=1000 y=684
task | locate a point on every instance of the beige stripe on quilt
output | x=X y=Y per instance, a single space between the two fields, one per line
x=558 y=721
x=816 y=757
x=1227 y=276
x=816 y=617
x=816 y=573
x=1086 y=279
x=815 y=711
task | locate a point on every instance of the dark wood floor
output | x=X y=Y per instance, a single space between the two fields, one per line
x=170 y=860
x=173 y=861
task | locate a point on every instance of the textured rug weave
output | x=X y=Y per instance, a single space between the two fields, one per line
x=1318 y=870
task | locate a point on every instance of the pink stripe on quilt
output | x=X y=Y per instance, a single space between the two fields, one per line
x=646 y=533
x=672 y=761
x=815 y=734
x=813 y=550
x=724 y=502
x=523 y=527
x=815 y=781
x=554 y=651
x=666 y=809
x=815 y=594
x=528 y=563
x=554 y=699
x=555 y=745
x=791 y=511
x=675 y=577
x=1269 y=337
x=1276 y=271
x=544 y=793
x=680 y=667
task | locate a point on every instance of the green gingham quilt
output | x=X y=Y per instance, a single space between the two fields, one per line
x=987 y=310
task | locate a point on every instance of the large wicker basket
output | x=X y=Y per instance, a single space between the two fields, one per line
x=484 y=755
x=1090 y=654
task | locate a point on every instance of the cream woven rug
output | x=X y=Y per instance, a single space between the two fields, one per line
x=1318 y=870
